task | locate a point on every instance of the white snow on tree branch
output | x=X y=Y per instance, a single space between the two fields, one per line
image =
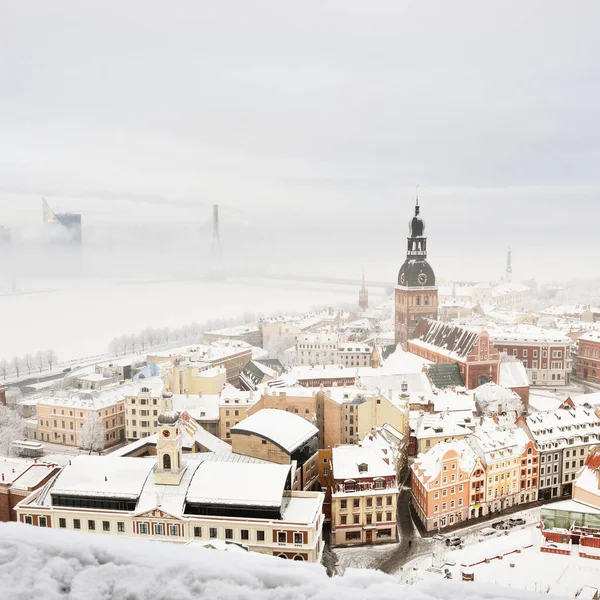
x=92 y=434
x=11 y=428
x=53 y=564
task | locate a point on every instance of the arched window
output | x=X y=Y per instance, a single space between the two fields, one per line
x=282 y=556
x=166 y=461
x=298 y=557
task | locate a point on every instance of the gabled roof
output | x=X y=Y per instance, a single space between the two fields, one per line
x=255 y=373
x=451 y=340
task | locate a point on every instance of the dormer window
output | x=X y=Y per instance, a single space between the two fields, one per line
x=363 y=468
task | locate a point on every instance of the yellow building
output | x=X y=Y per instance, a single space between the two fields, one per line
x=61 y=417
x=234 y=406
x=500 y=449
x=281 y=437
x=362 y=410
x=189 y=379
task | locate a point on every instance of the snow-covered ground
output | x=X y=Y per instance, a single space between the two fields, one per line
x=79 y=318
x=523 y=566
x=52 y=564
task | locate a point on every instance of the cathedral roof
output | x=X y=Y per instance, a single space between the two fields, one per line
x=450 y=340
x=416 y=273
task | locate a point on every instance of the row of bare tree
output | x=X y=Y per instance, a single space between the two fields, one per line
x=165 y=337
x=28 y=364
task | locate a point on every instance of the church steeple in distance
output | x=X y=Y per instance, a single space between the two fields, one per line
x=363 y=294
x=416 y=292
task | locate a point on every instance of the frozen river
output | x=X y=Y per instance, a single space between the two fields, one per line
x=78 y=318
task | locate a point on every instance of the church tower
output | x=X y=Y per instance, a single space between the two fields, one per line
x=169 y=466
x=416 y=292
x=363 y=295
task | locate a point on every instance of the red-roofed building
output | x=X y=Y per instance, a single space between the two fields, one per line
x=473 y=351
x=18 y=478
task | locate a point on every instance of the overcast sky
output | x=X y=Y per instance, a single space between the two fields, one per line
x=316 y=112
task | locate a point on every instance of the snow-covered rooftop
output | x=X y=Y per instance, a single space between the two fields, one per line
x=513 y=374
x=553 y=429
x=104 y=476
x=441 y=425
x=345 y=461
x=590 y=336
x=287 y=430
x=428 y=465
x=525 y=333
x=240 y=484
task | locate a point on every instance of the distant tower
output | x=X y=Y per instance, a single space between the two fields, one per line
x=62 y=227
x=508 y=272
x=216 y=255
x=363 y=295
x=416 y=292
x=169 y=466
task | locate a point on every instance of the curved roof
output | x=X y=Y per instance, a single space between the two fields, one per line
x=416 y=273
x=284 y=429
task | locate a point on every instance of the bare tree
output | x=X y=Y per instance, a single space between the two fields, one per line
x=91 y=436
x=12 y=428
x=4 y=368
x=40 y=360
x=124 y=340
x=116 y=346
x=28 y=362
x=16 y=365
x=51 y=358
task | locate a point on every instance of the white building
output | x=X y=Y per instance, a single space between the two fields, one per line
x=179 y=498
x=354 y=354
x=317 y=348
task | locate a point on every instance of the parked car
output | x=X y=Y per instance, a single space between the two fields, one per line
x=439 y=537
x=453 y=540
x=487 y=532
x=517 y=521
x=502 y=525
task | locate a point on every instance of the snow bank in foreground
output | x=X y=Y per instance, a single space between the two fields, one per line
x=49 y=564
